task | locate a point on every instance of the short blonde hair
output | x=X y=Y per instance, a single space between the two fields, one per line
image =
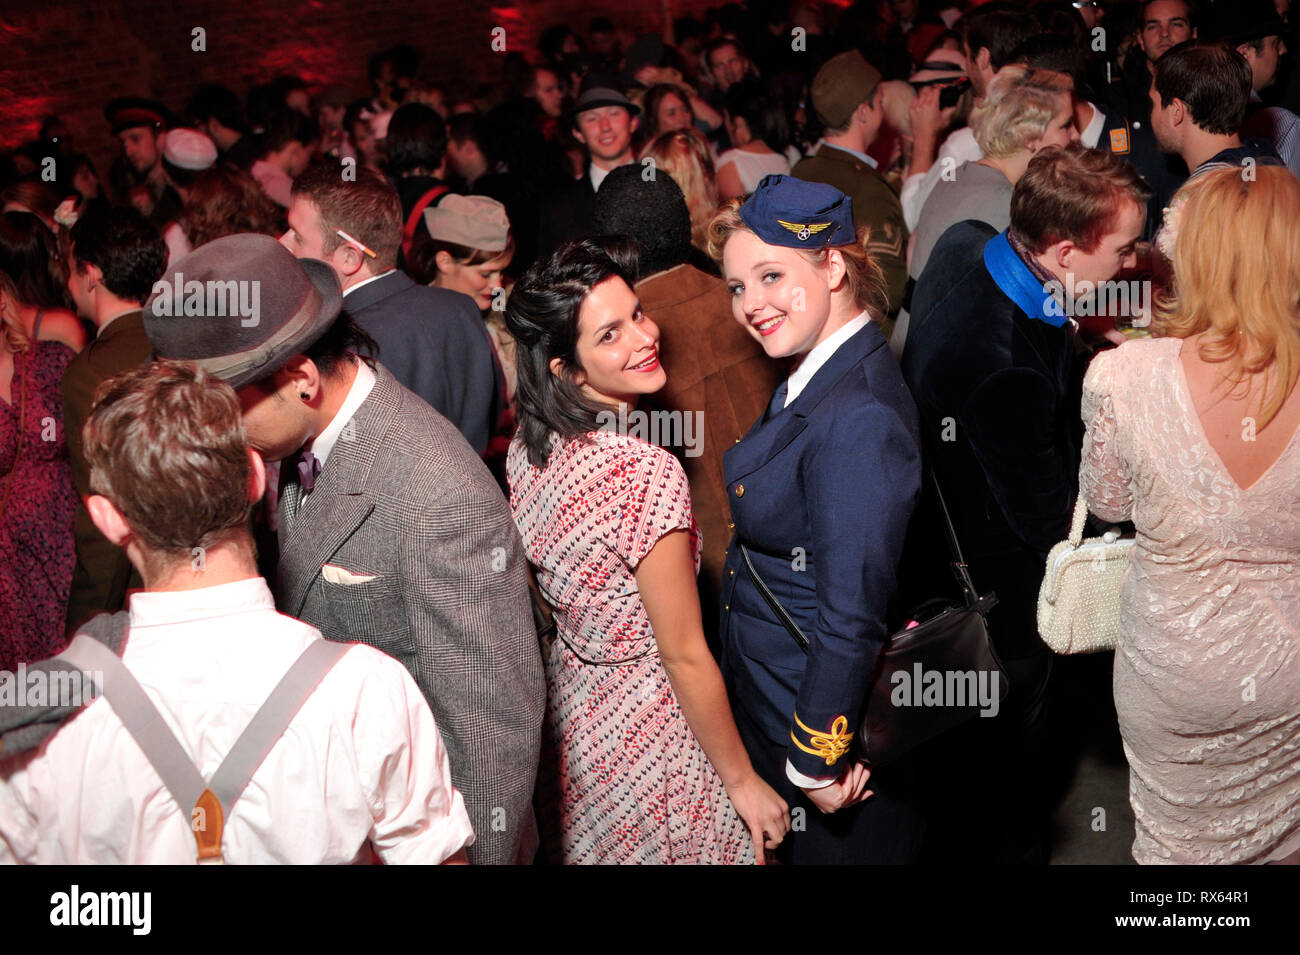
x=866 y=281
x=1018 y=107
x=1237 y=277
x=684 y=155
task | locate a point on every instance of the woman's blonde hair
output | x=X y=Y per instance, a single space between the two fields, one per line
x=684 y=155
x=11 y=319
x=866 y=282
x=1018 y=108
x=1237 y=277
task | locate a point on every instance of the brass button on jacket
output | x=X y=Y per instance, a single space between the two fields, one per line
x=740 y=490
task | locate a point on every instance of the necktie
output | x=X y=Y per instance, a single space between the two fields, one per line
x=777 y=404
x=308 y=469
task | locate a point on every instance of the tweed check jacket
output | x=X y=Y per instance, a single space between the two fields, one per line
x=436 y=579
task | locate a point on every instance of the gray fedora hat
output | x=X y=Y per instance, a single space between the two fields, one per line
x=240 y=307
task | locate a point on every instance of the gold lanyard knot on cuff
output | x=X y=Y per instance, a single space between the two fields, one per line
x=829 y=746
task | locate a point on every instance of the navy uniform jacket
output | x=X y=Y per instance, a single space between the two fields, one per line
x=435 y=343
x=821 y=494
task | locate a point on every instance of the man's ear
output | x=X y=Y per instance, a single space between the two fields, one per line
x=578 y=135
x=635 y=123
x=304 y=376
x=347 y=260
x=256 y=477
x=1181 y=113
x=108 y=519
x=1064 y=252
x=94 y=275
x=984 y=59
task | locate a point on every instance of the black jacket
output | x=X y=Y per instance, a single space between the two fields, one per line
x=998 y=394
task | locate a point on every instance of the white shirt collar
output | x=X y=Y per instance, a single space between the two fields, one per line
x=1092 y=133
x=160 y=608
x=352 y=288
x=821 y=355
x=360 y=390
x=597 y=175
x=852 y=152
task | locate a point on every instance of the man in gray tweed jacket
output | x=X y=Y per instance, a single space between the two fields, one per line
x=392 y=531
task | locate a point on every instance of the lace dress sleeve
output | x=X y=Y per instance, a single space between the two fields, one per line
x=1104 y=477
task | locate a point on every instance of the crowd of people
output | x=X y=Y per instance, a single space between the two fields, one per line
x=325 y=435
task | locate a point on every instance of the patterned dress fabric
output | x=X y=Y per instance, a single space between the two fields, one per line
x=623 y=779
x=1207 y=672
x=36 y=553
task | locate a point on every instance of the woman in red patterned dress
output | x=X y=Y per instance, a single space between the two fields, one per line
x=641 y=760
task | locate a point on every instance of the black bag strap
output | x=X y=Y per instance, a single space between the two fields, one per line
x=786 y=620
x=970 y=595
x=959 y=569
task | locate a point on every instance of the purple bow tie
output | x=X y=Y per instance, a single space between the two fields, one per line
x=308 y=469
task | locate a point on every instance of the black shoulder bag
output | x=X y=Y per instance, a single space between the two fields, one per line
x=952 y=642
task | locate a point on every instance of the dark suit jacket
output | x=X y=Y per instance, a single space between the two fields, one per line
x=998 y=392
x=1129 y=116
x=404 y=502
x=875 y=205
x=821 y=494
x=102 y=574
x=717 y=372
x=566 y=214
x=435 y=343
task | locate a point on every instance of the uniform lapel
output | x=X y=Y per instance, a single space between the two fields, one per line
x=770 y=435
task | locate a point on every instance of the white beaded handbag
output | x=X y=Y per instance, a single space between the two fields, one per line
x=1078 y=604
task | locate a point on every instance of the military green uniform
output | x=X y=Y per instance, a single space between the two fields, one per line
x=875 y=204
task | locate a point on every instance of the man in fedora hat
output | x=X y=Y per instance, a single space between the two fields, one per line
x=392 y=532
x=603 y=120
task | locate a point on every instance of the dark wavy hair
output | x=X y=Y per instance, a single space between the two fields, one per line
x=30 y=256
x=542 y=315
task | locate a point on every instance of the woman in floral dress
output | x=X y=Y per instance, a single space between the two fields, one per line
x=641 y=760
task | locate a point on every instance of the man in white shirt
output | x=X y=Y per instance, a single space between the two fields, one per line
x=360 y=769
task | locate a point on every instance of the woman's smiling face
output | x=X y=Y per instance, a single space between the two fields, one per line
x=618 y=346
x=780 y=298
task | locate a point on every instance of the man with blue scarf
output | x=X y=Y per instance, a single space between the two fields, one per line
x=993 y=362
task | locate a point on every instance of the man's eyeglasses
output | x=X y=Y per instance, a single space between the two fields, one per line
x=1080 y=4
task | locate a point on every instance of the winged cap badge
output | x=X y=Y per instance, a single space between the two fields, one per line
x=804 y=231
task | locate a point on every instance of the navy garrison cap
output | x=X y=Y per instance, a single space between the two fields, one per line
x=800 y=215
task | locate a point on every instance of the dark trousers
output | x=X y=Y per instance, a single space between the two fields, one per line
x=887 y=829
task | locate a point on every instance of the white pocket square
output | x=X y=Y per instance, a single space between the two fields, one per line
x=341 y=575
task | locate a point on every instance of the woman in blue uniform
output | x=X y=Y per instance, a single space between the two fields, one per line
x=821 y=492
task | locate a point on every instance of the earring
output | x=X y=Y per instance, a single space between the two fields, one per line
x=304 y=396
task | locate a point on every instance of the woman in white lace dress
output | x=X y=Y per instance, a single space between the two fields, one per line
x=1195 y=438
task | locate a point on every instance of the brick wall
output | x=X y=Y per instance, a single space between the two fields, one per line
x=71 y=58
